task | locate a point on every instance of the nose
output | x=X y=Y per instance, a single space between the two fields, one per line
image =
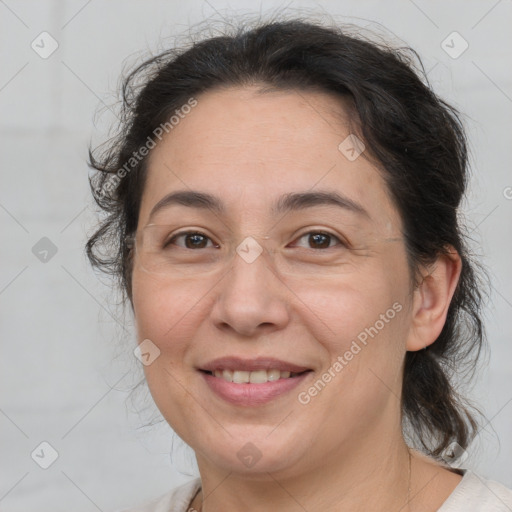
x=251 y=298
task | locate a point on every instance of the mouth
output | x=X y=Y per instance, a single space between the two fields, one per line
x=254 y=382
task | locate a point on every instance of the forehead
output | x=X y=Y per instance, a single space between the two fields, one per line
x=249 y=148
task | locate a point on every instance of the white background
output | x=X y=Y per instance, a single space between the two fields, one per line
x=66 y=365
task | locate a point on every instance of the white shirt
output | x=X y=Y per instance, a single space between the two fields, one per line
x=472 y=494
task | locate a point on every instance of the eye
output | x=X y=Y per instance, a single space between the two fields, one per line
x=321 y=239
x=193 y=240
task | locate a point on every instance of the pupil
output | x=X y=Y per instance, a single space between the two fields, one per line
x=195 y=238
x=317 y=240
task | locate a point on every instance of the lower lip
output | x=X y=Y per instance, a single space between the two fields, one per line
x=248 y=394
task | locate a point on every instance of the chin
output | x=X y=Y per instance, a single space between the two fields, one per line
x=254 y=458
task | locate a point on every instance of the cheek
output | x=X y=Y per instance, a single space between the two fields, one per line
x=361 y=321
x=340 y=310
x=362 y=330
x=162 y=307
x=165 y=314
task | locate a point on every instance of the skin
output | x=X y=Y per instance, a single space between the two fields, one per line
x=344 y=450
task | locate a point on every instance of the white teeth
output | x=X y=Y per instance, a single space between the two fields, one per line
x=274 y=375
x=241 y=377
x=258 y=377
x=255 y=377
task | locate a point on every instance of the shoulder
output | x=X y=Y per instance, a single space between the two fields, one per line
x=176 y=500
x=475 y=493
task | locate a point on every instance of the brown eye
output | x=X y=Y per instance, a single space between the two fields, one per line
x=320 y=240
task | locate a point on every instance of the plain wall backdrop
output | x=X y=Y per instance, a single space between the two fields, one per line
x=66 y=366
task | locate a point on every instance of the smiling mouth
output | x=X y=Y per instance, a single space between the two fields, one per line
x=253 y=377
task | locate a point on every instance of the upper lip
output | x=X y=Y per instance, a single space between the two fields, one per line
x=260 y=363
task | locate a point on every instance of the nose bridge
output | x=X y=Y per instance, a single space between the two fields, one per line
x=251 y=294
x=252 y=267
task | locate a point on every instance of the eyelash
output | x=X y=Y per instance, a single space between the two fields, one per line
x=184 y=233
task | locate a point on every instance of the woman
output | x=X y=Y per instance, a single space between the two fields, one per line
x=282 y=215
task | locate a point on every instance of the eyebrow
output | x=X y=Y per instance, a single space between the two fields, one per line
x=293 y=201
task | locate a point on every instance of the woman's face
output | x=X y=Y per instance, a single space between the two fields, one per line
x=320 y=285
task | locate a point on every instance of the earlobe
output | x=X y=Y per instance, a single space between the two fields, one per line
x=432 y=299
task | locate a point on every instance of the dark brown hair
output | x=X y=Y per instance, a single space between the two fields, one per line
x=416 y=138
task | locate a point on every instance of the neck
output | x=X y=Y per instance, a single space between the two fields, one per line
x=376 y=478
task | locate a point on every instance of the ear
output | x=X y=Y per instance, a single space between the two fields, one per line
x=432 y=298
